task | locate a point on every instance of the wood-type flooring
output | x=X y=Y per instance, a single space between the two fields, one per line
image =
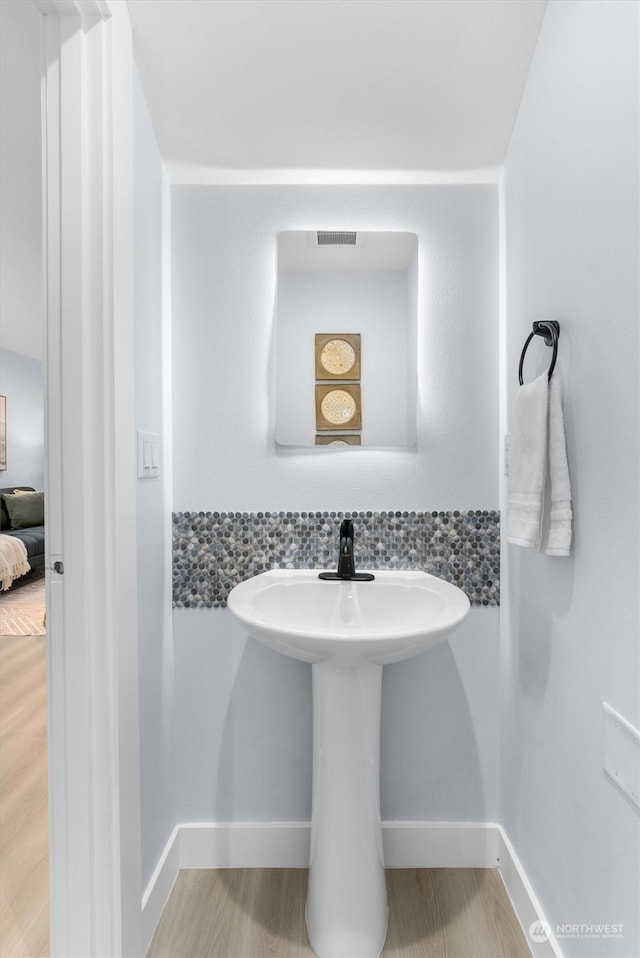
x=259 y=913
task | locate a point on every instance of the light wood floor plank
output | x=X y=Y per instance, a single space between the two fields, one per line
x=258 y=913
x=24 y=856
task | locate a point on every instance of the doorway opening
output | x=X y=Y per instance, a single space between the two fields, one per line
x=24 y=812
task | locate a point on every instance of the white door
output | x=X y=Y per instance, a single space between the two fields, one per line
x=91 y=494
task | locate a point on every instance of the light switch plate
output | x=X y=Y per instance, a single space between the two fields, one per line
x=148 y=455
x=622 y=753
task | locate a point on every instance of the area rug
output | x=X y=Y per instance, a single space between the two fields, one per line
x=22 y=608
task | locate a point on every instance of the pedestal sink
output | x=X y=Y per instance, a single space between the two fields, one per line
x=348 y=631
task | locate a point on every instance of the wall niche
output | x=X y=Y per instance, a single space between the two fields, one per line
x=362 y=286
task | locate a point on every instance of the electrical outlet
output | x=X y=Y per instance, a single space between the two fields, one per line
x=507 y=442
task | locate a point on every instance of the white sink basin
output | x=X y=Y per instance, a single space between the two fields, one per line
x=396 y=616
x=348 y=630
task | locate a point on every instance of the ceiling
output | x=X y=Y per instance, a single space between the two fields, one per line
x=277 y=91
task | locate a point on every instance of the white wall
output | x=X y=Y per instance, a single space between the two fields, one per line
x=243 y=727
x=21 y=294
x=570 y=626
x=224 y=268
x=243 y=713
x=21 y=381
x=153 y=384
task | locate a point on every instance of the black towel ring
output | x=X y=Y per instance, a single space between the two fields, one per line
x=550 y=329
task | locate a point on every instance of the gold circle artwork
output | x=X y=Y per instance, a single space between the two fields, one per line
x=338 y=407
x=338 y=357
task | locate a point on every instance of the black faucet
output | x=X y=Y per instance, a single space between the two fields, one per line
x=346 y=562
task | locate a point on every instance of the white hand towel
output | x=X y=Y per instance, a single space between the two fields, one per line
x=527 y=464
x=538 y=457
x=558 y=533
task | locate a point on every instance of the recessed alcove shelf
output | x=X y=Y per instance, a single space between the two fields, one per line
x=369 y=290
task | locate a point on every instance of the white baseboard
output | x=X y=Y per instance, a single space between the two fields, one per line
x=537 y=930
x=440 y=844
x=286 y=845
x=159 y=888
x=245 y=845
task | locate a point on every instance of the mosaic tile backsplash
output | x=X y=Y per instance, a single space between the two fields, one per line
x=213 y=551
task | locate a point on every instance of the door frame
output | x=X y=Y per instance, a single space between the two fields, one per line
x=92 y=658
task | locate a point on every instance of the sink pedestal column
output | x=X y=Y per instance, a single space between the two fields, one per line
x=347 y=896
